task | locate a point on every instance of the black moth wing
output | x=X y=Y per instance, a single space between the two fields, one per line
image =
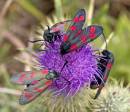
x=104 y=65
x=33 y=91
x=92 y=32
x=76 y=25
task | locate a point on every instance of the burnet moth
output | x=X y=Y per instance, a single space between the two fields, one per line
x=105 y=63
x=54 y=32
x=36 y=83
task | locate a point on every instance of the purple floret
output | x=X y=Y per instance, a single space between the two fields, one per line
x=79 y=71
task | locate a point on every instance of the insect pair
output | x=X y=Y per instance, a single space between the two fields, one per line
x=74 y=38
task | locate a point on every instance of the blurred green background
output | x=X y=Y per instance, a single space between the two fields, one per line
x=19 y=20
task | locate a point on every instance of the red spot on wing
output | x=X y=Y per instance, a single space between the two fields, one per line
x=105 y=77
x=79 y=32
x=43 y=88
x=32 y=75
x=28 y=95
x=23 y=76
x=39 y=90
x=35 y=82
x=92 y=29
x=44 y=71
x=76 y=19
x=65 y=38
x=92 y=35
x=47 y=83
x=73 y=46
x=73 y=28
x=109 y=65
x=81 y=18
x=83 y=38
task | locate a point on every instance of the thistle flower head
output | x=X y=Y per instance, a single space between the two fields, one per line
x=76 y=68
x=114 y=98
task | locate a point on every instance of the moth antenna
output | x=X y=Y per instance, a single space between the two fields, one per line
x=48 y=27
x=33 y=41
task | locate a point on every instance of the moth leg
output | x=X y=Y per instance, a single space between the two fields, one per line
x=99 y=91
x=65 y=64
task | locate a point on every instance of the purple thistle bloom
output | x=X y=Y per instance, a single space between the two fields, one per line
x=79 y=71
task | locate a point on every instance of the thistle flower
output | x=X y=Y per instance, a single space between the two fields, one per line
x=114 y=98
x=78 y=71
